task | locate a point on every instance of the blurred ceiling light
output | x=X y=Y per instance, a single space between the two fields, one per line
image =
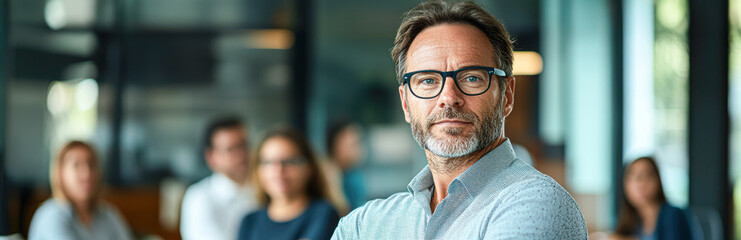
x=69 y=13
x=80 y=13
x=58 y=100
x=55 y=15
x=269 y=39
x=86 y=94
x=527 y=63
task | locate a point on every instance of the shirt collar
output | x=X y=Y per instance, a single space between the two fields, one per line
x=477 y=176
x=423 y=181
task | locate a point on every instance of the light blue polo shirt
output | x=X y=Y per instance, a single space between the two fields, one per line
x=498 y=197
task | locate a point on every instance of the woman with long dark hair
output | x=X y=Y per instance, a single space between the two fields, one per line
x=645 y=213
x=290 y=183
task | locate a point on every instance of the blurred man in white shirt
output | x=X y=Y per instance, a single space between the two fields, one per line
x=214 y=206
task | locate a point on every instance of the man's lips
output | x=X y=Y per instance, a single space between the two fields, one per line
x=452 y=122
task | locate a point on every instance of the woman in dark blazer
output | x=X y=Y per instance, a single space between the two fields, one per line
x=645 y=213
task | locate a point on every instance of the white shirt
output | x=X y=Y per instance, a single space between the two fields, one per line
x=214 y=207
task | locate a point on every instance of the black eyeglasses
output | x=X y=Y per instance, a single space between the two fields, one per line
x=471 y=81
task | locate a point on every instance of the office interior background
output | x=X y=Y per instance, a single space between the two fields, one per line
x=599 y=83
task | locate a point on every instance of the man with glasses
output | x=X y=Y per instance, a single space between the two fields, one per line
x=213 y=207
x=454 y=65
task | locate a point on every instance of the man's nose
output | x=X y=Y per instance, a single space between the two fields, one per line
x=450 y=96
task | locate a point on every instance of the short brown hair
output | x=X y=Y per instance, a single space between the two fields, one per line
x=431 y=13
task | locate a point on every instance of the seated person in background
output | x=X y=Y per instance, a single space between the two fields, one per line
x=289 y=181
x=213 y=207
x=76 y=211
x=345 y=150
x=645 y=214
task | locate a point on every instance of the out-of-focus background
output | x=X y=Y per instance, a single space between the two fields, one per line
x=599 y=83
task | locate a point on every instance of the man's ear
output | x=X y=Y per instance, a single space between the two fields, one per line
x=404 y=106
x=509 y=95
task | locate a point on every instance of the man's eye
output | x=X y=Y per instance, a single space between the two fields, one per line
x=472 y=79
x=428 y=81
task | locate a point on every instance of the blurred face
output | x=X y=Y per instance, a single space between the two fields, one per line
x=348 y=147
x=282 y=171
x=79 y=175
x=454 y=124
x=228 y=153
x=641 y=184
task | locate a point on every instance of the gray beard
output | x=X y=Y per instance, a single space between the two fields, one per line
x=454 y=144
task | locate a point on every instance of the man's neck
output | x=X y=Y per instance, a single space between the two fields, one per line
x=444 y=170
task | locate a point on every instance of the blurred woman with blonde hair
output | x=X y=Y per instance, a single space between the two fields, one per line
x=75 y=210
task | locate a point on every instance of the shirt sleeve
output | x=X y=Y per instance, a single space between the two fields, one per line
x=196 y=221
x=348 y=227
x=536 y=210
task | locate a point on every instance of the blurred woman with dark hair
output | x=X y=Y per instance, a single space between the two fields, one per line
x=76 y=211
x=345 y=151
x=645 y=213
x=289 y=181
